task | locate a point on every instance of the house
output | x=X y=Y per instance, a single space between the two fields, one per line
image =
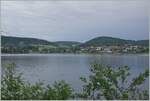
x=99 y=48
x=107 y=50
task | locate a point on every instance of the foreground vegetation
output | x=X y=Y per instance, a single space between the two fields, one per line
x=13 y=87
x=109 y=83
x=105 y=82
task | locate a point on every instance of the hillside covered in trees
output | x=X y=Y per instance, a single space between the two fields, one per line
x=110 y=41
x=97 y=45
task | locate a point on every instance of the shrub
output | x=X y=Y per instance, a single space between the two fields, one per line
x=110 y=83
x=105 y=82
x=13 y=87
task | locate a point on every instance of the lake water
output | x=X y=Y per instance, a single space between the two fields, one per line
x=70 y=67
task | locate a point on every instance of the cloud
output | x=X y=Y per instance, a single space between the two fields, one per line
x=75 y=20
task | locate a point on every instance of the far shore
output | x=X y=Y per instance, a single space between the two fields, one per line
x=45 y=54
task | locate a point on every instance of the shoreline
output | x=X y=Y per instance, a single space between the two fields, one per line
x=46 y=54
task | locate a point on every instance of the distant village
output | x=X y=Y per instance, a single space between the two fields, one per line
x=116 y=49
x=74 y=49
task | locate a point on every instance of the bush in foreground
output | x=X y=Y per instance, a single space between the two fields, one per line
x=105 y=82
x=13 y=87
x=110 y=83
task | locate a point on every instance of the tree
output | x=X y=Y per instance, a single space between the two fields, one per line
x=111 y=84
x=105 y=82
x=13 y=87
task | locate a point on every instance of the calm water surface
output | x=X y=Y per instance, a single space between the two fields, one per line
x=70 y=67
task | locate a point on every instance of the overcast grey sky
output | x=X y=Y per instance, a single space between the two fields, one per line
x=75 y=20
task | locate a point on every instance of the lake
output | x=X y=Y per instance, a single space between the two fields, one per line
x=70 y=67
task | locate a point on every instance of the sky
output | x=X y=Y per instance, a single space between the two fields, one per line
x=75 y=20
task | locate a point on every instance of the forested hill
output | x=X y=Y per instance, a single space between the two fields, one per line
x=110 y=41
x=143 y=42
x=9 y=41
